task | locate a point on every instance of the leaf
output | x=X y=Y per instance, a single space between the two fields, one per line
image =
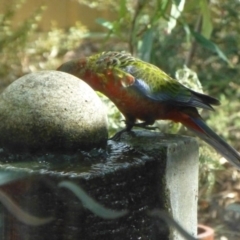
x=162 y=5
x=188 y=33
x=123 y=8
x=177 y=2
x=90 y=203
x=207 y=26
x=210 y=46
x=145 y=46
x=176 y=10
x=105 y=23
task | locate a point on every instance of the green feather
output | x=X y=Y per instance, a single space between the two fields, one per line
x=150 y=81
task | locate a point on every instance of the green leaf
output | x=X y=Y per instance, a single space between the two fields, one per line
x=162 y=5
x=210 y=46
x=161 y=9
x=176 y=2
x=105 y=23
x=145 y=46
x=123 y=8
x=207 y=26
x=176 y=10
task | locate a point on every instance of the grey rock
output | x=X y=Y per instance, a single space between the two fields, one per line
x=51 y=110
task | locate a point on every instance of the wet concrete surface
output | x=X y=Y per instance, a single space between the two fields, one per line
x=120 y=177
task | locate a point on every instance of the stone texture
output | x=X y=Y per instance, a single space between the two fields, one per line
x=144 y=171
x=51 y=110
x=180 y=174
x=182 y=183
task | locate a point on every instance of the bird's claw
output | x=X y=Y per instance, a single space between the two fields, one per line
x=128 y=128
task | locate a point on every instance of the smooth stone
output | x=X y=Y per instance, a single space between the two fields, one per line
x=51 y=110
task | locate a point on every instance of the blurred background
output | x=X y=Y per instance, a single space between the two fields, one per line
x=195 y=41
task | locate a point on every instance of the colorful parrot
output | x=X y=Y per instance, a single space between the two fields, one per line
x=142 y=91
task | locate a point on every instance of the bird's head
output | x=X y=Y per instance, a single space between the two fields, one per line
x=84 y=69
x=74 y=67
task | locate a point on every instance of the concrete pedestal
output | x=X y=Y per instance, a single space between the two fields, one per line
x=180 y=174
x=143 y=171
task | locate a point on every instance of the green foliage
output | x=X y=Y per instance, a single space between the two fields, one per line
x=24 y=49
x=13 y=40
x=189 y=78
x=210 y=46
x=45 y=47
x=164 y=33
x=142 y=23
x=115 y=118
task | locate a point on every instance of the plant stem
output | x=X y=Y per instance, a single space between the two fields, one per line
x=139 y=6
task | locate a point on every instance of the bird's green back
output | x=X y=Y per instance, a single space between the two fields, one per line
x=150 y=80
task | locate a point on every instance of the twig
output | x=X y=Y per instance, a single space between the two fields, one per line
x=139 y=7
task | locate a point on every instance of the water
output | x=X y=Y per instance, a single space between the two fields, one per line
x=117 y=177
x=115 y=155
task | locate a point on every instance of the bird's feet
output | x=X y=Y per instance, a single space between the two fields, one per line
x=128 y=128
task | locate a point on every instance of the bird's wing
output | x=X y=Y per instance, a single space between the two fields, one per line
x=151 y=82
x=158 y=86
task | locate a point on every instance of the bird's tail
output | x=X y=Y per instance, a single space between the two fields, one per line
x=197 y=125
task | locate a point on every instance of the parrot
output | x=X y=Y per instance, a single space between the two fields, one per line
x=143 y=92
